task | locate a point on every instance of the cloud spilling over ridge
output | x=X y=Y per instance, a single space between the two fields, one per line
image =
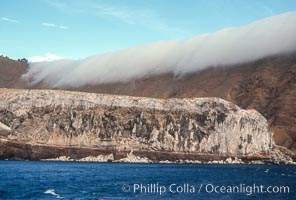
x=270 y=36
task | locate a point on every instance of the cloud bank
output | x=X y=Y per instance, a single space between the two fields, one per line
x=266 y=37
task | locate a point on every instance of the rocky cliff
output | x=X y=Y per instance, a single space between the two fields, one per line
x=266 y=85
x=42 y=124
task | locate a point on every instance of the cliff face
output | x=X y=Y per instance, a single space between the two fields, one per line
x=122 y=123
x=266 y=85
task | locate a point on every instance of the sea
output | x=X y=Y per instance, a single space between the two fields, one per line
x=77 y=180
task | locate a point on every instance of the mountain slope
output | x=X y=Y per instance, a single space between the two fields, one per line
x=267 y=85
x=11 y=72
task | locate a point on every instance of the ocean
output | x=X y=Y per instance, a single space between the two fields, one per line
x=74 y=180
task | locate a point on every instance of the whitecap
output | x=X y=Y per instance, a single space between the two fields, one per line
x=52 y=192
x=266 y=171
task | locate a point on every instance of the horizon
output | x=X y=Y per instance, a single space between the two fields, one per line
x=76 y=30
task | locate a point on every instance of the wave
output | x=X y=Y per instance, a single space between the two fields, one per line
x=52 y=192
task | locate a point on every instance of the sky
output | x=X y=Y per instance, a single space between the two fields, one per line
x=71 y=29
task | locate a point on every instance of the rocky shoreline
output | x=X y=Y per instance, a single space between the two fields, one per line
x=131 y=158
x=15 y=150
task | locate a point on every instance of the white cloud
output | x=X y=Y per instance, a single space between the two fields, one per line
x=270 y=36
x=9 y=20
x=145 y=17
x=46 y=58
x=69 y=6
x=140 y=16
x=53 y=25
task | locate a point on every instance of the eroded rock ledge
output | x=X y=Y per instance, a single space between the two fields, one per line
x=47 y=124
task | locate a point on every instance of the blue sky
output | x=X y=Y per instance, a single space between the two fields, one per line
x=77 y=29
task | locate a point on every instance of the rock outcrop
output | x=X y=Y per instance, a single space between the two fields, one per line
x=266 y=85
x=154 y=129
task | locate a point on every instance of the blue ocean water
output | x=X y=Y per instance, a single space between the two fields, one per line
x=67 y=180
